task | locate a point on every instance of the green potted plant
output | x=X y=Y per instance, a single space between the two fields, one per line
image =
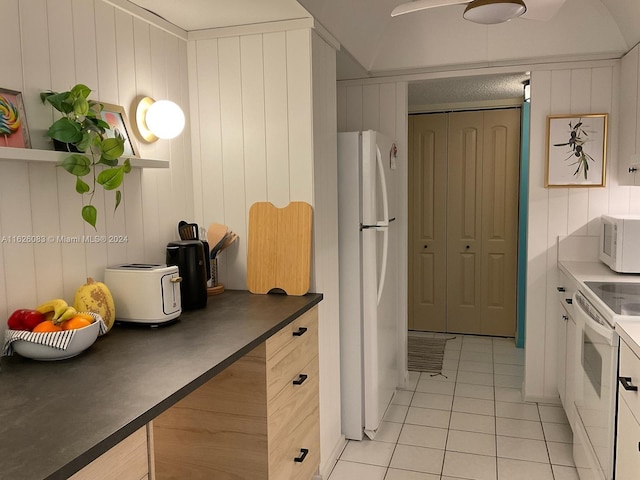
x=82 y=129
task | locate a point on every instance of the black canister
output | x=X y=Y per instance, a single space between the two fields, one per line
x=189 y=257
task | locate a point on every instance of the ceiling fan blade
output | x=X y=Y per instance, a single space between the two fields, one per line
x=542 y=10
x=417 y=5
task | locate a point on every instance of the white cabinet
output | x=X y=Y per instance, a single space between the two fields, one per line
x=629 y=143
x=566 y=347
x=628 y=438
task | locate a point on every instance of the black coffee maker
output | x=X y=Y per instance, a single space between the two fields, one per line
x=190 y=258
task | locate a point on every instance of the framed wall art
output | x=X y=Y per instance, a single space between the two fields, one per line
x=13 y=121
x=576 y=150
x=115 y=116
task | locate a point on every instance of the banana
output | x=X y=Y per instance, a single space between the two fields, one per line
x=70 y=312
x=58 y=306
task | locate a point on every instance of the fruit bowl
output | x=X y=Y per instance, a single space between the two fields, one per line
x=82 y=339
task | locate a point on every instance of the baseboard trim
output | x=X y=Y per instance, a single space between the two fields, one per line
x=327 y=466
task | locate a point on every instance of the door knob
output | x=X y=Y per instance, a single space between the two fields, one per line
x=468 y=247
x=426 y=246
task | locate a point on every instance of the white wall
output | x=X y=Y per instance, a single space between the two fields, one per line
x=263 y=111
x=54 y=44
x=588 y=88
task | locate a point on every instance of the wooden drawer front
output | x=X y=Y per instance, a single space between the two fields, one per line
x=128 y=460
x=287 y=363
x=292 y=405
x=304 y=433
x=286 y=336
x=630 y=368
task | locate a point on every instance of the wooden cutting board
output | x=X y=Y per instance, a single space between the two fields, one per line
x=279 y=248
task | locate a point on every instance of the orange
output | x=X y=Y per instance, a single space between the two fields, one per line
x=86 y=316
x=75 y=323
x=47 y=326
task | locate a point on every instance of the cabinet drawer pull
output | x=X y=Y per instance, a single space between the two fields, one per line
x=561 y=289
x=303 y=455
x=301 y=379
x=626 y=383
x=569 y=301
x=565 y=317
x=300 y=332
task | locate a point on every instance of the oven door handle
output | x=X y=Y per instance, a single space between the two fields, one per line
x=602 y=330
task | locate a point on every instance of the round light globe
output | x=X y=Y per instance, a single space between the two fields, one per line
x=165 y=119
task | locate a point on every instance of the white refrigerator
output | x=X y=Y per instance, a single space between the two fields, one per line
x=368 y=249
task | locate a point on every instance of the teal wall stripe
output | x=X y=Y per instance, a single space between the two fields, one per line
x=522 y=227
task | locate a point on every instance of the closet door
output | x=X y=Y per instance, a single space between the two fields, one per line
x=499 y=223
x=427 y=224
x=464 y=222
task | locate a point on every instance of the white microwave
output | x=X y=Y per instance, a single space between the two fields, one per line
x=620 y=243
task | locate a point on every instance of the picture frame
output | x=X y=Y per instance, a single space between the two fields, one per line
x=14 y=131
x=576 y=150
x=117 y=119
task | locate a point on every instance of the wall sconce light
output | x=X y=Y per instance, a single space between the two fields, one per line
x=161 y=119
x=527 y=91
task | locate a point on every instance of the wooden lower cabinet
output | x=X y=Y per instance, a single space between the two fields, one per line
x=128 y=460
x=258 y=419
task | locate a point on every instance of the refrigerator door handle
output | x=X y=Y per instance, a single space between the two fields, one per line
x=384 y=225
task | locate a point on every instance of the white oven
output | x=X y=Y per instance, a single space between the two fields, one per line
x=596 y=392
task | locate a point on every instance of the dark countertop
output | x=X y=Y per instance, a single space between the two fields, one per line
x=56 y=417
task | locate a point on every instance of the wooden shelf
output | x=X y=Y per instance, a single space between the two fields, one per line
x=50 y=156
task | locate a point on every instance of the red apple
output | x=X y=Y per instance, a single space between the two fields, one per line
x=15 y=320
x=31 y=318
x=25 y=319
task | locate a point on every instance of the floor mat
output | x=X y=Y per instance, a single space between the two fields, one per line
x=426 y=353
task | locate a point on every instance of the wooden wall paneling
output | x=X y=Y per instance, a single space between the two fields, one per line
x=149 y=184
x=325 y=274
x=130 y=211
x=197 y=176
x=388 y=118
x=354 y=108
x=537 y=248
x=35 y=68
x=84 y=44
x=580 y=95
x=276 y=118
x=341 y=96
x=209 y=148
x=43 y=188
x=371 y=107
x=11 y=77
x=300 y=115
x=176 y=84
x=185 y=139
x=168 y=214
x=107 y=91
x=601 y=102
x=557 y=224
x=253 y=114
x=19 y=258
x=233 y=151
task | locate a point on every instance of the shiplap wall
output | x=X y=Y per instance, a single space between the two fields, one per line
x=591 y=88
x=54 y=44
x=369 y=105
x=264 y=129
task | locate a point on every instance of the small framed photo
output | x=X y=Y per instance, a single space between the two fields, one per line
x=13 y=121
x=115 y=116
x=576 y=150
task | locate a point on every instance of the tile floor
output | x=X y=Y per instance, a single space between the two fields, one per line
x=470 y=423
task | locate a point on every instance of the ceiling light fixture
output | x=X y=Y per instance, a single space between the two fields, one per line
x=161 y=119
x=489 y=12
